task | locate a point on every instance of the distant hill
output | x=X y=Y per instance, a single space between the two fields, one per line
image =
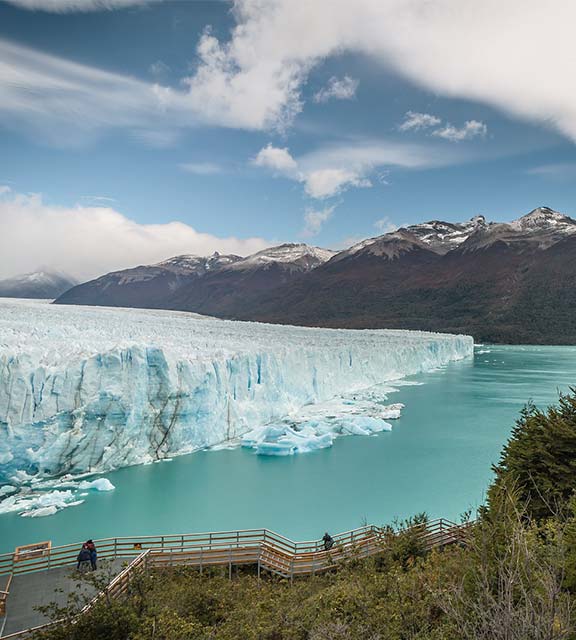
x=502 y=282
x=40 y=284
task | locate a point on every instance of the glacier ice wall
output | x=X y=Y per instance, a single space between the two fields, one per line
x=88 y=389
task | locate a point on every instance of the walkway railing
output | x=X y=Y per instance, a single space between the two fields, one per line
x=218 y=544
x=268 y=550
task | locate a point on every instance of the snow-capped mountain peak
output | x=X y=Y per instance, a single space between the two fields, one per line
x=544 y=218
x=299 y=255
x=435 y=235
x=188 y=263
x=44 y=283
x=442 y=237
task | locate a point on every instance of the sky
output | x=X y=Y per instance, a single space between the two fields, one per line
x=134 y=130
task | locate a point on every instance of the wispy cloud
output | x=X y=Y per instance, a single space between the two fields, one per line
x=414 y=121
x=71 y=239
x=70 y=6
x=385 y=225
x=471 y=129
x=332 y=169
x=325 y=183
x=254 y=79
x=96 y=200
x=70 y=103
x=159 y=69
x=202 y=168
x=559 y=171
x=314 y=220
x=337 y=89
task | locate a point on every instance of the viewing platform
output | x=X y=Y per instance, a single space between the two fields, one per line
x=37 y=575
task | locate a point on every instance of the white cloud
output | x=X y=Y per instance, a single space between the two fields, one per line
x=201 y=168
x=237 y=86
x=255 y=77
x=276 y=158
x=414 y=121
x=325 y=183
x=319 y=181
x=385 y=225
x=66 y=6
x=314 y=220
x=337 y=89
x=471 y=129
x=87 y=241
x=4 y=189
x=332 y=169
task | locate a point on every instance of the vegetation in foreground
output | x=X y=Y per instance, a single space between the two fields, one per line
x=515 y=579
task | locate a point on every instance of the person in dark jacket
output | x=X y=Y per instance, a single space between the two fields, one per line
x=93 y=553
x=328 y=541
x=83 y=558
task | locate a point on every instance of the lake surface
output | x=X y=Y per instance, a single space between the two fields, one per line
x=437 y=459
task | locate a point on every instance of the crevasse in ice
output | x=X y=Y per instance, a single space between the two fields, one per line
x=88 y=389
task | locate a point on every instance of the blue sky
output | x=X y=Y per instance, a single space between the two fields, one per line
x=272 y=120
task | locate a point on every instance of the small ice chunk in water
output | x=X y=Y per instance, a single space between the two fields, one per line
x=100 y=484
x=41 y=512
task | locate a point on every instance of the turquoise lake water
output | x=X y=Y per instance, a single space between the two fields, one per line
x=437 y=459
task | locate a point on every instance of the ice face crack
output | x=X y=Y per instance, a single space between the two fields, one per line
x=94 y=389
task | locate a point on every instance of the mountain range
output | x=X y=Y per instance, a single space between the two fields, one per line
x=40 y=284
x=500 y=282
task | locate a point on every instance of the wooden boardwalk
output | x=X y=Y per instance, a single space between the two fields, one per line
x=31 y=580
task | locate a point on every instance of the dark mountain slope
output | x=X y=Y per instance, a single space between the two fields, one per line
x=146 y=286
x=504 y=282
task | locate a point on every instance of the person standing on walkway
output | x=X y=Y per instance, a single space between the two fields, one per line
x=84 y=557
x=328 y=541
x=93 y=554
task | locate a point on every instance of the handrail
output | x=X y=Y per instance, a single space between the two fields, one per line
x=128 y=547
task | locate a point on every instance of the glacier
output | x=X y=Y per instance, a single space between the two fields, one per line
x=92 y=389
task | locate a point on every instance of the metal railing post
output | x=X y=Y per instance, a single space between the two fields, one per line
x=230 y=563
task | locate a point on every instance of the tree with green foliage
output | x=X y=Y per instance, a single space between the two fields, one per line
x=539 y=459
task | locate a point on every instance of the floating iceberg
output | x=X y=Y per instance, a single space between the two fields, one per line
x=315 y=427
x=100 y=484
x=89 y=389
x=45 y=498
